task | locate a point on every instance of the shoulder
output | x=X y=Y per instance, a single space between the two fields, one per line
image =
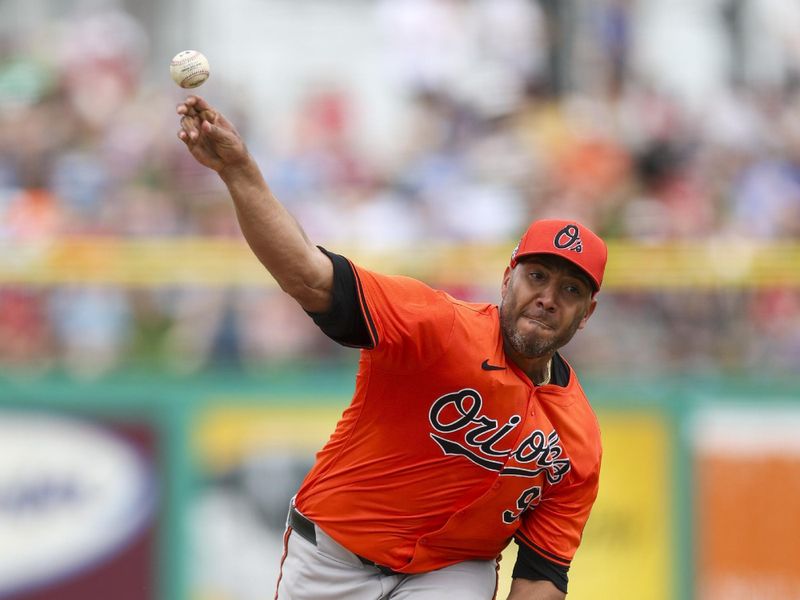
x=399 y=286
x=477 y=321
x=412 y=323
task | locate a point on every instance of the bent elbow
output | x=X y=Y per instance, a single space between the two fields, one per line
x=311 y=298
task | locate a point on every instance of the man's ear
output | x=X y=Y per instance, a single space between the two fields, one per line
x=589 y=311
x=506 y=282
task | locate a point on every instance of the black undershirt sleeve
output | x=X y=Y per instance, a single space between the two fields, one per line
x=531 y=565
x=344 y=322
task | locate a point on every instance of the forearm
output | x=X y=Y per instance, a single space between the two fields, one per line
x=277 y=239
x=525 y=589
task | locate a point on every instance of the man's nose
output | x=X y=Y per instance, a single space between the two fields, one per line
x=547 y=297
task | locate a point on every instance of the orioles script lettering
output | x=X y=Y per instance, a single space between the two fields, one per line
x=475 y=436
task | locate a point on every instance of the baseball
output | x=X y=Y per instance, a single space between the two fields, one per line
x=189 y=69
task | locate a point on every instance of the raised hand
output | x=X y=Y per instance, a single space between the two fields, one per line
x=210 y=137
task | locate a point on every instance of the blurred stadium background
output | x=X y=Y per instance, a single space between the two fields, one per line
x=160 y=399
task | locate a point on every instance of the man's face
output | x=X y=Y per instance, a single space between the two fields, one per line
x=545 y=300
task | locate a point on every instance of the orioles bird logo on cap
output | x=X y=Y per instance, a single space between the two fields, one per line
x=569 y=238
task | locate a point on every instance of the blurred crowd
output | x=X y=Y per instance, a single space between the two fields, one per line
x=88 y=148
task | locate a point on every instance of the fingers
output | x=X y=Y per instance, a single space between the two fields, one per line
x=186 y=107
x=202 y=126
x=189 y=127
x=208 y=115
x=192 y=128
x=217 y=134
x=195 y=105
x=199 y=104
x=189 y=107
x=194 y=111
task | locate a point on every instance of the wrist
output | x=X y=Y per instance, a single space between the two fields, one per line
x=245 y=169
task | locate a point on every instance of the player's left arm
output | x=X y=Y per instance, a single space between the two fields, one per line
x=551 y=531
x=525 y=589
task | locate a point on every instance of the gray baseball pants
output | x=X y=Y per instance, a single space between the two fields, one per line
x=321 y=569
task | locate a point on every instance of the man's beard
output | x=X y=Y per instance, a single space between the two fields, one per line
x=531 y=345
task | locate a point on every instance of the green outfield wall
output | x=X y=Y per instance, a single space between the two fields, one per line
x=217 y=439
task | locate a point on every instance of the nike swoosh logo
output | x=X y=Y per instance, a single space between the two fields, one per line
x=487 y=367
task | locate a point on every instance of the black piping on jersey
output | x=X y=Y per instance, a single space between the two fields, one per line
x=346 y=323
x=373 y=331
x=533 y=566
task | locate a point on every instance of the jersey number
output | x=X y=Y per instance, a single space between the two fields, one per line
x=523 y=502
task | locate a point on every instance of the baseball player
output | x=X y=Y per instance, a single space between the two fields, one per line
x=467 y=428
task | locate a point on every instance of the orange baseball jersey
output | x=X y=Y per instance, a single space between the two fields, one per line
x=448 y=450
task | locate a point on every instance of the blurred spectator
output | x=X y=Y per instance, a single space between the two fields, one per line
x=102 y=57
x=87 y=148
x=427 y=41
x=765 y=203
x=25 y=336
x=92 y=326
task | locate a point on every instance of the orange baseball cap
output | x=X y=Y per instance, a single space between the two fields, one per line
x=569 y=240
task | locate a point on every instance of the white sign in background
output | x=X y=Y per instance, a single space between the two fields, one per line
x=72 y=494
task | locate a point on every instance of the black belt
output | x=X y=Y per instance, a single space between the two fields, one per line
x=305 y=529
